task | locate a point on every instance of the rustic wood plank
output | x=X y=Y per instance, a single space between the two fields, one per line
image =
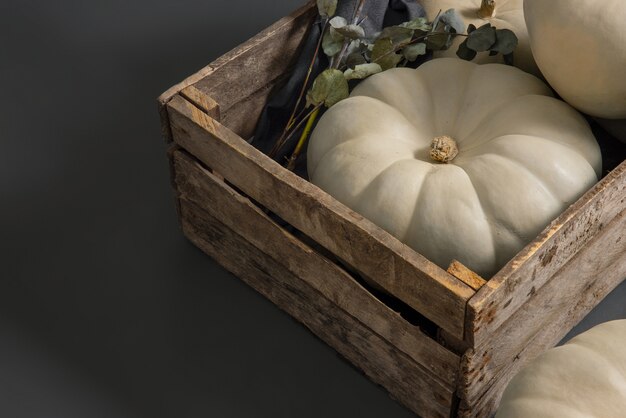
x=202 y=101
x=395 y=267
x=253 y=69
x=508 y=290
x=289 y=30
x=198 y=185
x=467 y=276
x=381 y=361
x=243 y=116
x=550 y=313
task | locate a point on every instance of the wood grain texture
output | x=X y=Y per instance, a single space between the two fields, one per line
x=399 y=270
x=381 y=361
x=533 y=267
x=197 y=185
x=290 y=29
x=467 y=276
x=251 y=70
x=242 y=117
x=549 y=314
x=202 y=101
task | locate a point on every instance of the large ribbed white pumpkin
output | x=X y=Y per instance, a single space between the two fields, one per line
x=580 y=47
x=508 y=14
x=585 y=378
x=523 y=158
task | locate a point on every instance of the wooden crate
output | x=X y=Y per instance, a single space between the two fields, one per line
x=445 y=343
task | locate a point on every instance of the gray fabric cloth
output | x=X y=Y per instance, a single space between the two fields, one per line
x=377 y=13
x=381 y=13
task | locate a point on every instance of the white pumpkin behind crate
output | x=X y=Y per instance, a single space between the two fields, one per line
x=586 y=377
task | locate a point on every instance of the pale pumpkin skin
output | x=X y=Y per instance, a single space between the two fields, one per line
x=585 y=378
x=523 y=158
x=509 y=14
x=580 y=48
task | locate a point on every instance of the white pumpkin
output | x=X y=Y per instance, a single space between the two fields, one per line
x=579 y=47
x=503 y=14
x=523 y=157
x=585 y=378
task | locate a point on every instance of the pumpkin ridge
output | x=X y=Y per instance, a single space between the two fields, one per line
x=520 y=235
x=462 y=101
x=581 y=344
x=460 y=71
x=491 y=221
x=424 y=233
x=526 y=170
x=535 y=89
x=373 y=184
x=368 y=89
x=414 y=127
x=414 y=141
x=312 y=170
x=415 y=219
x=514 y=102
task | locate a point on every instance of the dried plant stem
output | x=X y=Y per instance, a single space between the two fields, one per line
x=283 y=138
x=306 y=119
x=313 y=115
x=291 y=164
x=336 y=61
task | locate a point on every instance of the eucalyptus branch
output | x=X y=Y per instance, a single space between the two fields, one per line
x=411 y=42
x=312 y=117
x=336 y=61
x=393 y=46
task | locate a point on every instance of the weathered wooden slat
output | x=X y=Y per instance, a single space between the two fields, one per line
x=381 y=361
x=548 y=315
x=202 y=101
x=467 y=276
x=201 y=187
x=506 y=292
x=395 y=267
x=256 y=64
x=242 y=117
x=266 y=64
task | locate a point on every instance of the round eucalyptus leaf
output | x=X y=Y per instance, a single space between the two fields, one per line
x=399 y=35
x=482 y=38
x=506 y=41
x=329 y=87
x=411 y=52
x=384 y=54
x=464 y=52
x=351 y=31
x=338 y=22
x=453 y=19
x=332 y=42
x=362 y=71
x=354 y=59
x=326 y=8
x=421 y=23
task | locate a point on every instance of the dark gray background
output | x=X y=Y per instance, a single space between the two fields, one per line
x=105 y=309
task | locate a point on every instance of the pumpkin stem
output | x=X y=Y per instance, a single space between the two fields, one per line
x=487 y=9
x=443 y=149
